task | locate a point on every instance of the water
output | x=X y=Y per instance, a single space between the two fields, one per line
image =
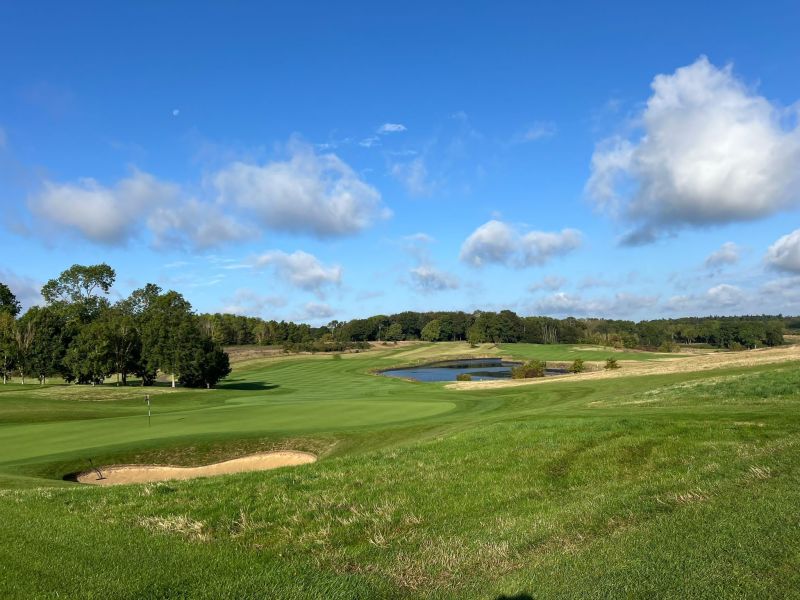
x=481 y=369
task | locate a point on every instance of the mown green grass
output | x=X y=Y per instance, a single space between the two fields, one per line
x=681 y=485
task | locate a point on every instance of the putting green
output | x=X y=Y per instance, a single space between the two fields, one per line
x=244 y=415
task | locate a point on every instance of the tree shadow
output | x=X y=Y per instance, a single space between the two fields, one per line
x=521 y=596
x=249 y=386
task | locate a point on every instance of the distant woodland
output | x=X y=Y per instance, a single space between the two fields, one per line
x=80 y=336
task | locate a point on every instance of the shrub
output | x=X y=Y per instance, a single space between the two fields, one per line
x=463 y=377
x=611 y=363
x=577 y=366
x=532 y=368
x=668 y=347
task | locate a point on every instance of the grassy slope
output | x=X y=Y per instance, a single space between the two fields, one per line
x=679 y=485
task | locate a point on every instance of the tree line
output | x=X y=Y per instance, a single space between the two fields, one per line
x=79 y=335
x=502 y=327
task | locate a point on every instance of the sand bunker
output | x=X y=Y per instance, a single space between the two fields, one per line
x=263 y=461
x=703 y=362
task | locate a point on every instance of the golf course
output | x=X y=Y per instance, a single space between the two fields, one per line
x=676 y=477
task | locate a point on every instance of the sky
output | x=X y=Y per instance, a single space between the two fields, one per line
x=317 y=160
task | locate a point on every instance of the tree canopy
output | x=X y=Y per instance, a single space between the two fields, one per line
x=80 y=336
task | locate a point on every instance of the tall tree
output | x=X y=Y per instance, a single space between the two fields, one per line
x=23 y=343
x=78 y=289
x=432 y=331
x=48 y=345
x=163 y=331
x=8 y=301
x=6 y=345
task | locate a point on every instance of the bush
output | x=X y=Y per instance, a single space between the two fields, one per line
x=611 y=363
x=668 y=347
x=577 y=366
x=532 y=368
x=463 y=377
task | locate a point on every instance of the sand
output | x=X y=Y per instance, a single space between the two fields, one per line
x=118 y=474
x=703 y=362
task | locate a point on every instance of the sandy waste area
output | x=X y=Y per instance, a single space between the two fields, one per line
x=629 y=368
x=117 y=474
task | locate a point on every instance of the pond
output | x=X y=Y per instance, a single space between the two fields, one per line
x=480 y=369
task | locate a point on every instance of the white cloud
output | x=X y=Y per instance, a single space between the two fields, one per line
x=419 y=238
x=620 y=305
x=102 y=214
x=414 y=176
x=549 y=282
x=783 y=294
x=370 y=141
x=784 y=254
x=727 y=254
x=316 y=311
x=538 y=247
x=719 y=299
x=492 y=242
x=427 y=278
x=496 y=242
x=309 y=193
x=538 y=131
x=196 y=224
x=711 y=151
x=248 y=302
x=301 y=269
x=725 y=295
x=391 y=128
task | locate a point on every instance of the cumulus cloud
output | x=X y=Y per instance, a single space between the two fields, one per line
x=105 y=215
x=727 y=254
x=784 y=254
x=427 y=278
x=496 y=242
x=710 y=151
x=392 y=128
x=722 y=298
x=782 y=293
x=301 y=269
x=538 y=247
x=308 y=193
x=197 y=224
x=725 y=295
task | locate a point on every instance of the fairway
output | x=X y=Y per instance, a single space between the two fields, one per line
x=682 y=484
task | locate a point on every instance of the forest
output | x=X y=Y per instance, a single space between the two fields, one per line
x=503 y=327
x=80 y=336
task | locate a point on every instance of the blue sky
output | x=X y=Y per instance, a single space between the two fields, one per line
x=315 y=161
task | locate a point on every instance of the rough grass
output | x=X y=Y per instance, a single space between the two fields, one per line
x=568 y=490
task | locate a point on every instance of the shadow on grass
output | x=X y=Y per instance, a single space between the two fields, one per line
x=254 y=386
x=515 y=597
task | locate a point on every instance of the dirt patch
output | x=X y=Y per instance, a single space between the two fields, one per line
x=263 y=461
x=704 y=362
